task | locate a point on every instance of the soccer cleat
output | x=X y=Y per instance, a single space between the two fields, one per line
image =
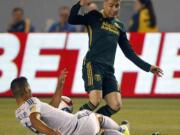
x=124 y=127
x=125 y=122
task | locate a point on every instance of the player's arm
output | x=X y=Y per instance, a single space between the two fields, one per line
x=74 y=17
x=40 y=126
x=131 y=55
x=56 y=99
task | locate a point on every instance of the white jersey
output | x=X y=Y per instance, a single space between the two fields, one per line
x=53 y=117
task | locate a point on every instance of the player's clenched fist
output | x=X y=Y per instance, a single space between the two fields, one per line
x=84 y=2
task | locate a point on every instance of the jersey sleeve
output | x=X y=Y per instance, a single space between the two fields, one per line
x=130 y=53
x=34 y=105
x=76 y=18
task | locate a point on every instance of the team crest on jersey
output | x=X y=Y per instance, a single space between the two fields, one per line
x=97 y=77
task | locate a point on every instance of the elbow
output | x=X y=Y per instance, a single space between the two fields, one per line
x=129 y=55
x=33 y=122
x=71 y=20
x=131 y=58
x=34 y=118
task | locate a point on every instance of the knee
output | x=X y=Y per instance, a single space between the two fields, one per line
x=95 y=97
x=95 y=101
x=116 y=106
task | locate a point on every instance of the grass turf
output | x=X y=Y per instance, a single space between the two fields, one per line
x=144 y=115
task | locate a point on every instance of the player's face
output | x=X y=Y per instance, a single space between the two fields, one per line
x=28 y=92
x=111 y=8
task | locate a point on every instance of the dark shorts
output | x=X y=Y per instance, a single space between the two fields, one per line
x=99 y=76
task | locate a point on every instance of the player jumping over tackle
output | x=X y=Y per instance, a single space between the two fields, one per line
x=105 y=31
x=43 y=118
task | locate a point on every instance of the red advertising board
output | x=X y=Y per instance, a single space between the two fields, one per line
x=40 y=58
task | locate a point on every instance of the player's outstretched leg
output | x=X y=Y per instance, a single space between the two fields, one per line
x=108 y=123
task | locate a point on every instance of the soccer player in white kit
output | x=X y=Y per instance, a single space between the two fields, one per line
x=43 y=118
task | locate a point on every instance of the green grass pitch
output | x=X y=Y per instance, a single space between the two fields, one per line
x=144 y=115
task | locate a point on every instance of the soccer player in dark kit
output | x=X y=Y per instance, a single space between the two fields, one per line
x=105 y=31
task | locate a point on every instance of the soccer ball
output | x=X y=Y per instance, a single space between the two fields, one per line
x=66 y=104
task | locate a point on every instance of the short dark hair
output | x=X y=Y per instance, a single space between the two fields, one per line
x=18 y=9
x=18 y=86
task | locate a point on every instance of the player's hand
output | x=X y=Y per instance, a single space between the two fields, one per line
x=156 y=71
x=84 y=2
x=62 y=77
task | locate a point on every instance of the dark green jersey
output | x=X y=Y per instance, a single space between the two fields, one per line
x=104 y=35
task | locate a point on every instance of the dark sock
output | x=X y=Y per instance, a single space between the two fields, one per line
x=106 y=110
x=88 y=106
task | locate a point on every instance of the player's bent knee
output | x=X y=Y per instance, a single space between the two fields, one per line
x=95 y=97
x=95 y=102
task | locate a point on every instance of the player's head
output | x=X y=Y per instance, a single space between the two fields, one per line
x=111 y=8
x=20 y=88
x=17 y=14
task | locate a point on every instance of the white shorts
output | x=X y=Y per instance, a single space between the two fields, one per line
x=88 y=123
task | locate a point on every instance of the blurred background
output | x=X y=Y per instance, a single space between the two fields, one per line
x=43 y=13
x=27 y=48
